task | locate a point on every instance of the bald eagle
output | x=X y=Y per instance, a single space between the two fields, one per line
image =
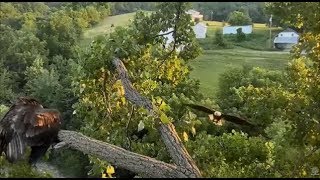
x=217 y=116
x=28 y=124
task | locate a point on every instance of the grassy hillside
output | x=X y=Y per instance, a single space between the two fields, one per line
x=258 y=40
x=209 y=65
x=104 y=26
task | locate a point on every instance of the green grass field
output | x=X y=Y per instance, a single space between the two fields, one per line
x=213 y=62
x=208 y=66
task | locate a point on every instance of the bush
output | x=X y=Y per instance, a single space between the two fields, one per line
x=218 y=39
x=240 y=35
x=223 y=23
x=196 y=20
x=238 y=18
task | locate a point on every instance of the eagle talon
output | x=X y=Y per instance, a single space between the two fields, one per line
x=60 y=145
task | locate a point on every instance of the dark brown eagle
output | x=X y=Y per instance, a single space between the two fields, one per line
x=27 y=123
x=217 y=116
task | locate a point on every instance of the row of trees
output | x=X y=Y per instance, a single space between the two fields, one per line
x=219 y=11
x=37 y=48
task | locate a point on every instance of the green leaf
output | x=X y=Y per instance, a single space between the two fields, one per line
x=164 y=118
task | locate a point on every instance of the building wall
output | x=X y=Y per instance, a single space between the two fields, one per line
x=233 y=29
x=200 y=31
x=200 y=17
x=170 y=39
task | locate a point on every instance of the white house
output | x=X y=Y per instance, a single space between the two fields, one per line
x=286 y=39
x=195 y=14
x=200 y=30
x=233 y=29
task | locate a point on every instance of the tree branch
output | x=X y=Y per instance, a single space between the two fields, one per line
x=174 y=35
x=163 y=34
x=142 y=165
x=170 y=137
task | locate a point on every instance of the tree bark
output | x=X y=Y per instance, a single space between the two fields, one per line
x=144 y=166
x=168 y=133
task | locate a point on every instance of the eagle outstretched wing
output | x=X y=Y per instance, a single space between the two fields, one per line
x=226 y=117
x=27 y=123
x=236 y=120
x=201 y=108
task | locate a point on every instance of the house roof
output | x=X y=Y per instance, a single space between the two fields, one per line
x=200 y=24
x=191 y=11
x=290 y=40
x=289 y=30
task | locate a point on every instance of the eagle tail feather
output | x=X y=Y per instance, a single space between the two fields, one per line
x=15 y=149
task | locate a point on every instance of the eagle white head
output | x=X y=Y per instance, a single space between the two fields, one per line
x=217 y=113
x=140 y=126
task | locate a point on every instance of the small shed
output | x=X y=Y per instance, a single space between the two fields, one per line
x=286 y=39
x=200 y=30
x=233 y=29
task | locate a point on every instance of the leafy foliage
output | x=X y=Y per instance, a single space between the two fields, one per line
x=19 y=170
x=283 y=103
x=157 y=73
x=238 y=18
x=128 y=7
x=219 y=40
x=219 y=11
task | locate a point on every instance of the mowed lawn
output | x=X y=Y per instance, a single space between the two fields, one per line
x=212 y=63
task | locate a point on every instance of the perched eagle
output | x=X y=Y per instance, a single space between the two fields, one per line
x=27 y=123
x=217 y=116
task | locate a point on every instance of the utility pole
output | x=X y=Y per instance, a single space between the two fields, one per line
x=211 y=15
x=270 y=25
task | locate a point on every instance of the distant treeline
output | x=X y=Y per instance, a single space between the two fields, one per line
x=219 y=11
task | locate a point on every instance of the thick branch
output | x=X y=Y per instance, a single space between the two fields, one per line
x=142 y=165
x=169 y=136
x=120 y=157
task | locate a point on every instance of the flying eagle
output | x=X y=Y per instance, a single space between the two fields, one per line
x=217 y=116
x=28 y=123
